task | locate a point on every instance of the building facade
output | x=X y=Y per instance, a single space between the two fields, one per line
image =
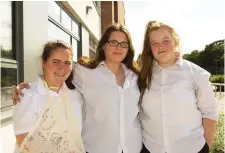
x=112 y=12
x=25 y=26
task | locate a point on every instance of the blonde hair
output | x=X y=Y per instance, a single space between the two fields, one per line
x=146 y=59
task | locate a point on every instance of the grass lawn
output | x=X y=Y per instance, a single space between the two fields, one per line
x=218 y=143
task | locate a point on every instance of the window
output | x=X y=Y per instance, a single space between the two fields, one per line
x=91 y=54
x=11 y=49
x=8 y=80
x=54 y=11
x=92 y=44
x=62 y=27
x=66 y=21
x=6 y=30
x=55 y=33
x=75 y=49
x=92 y=48
x=75 y=29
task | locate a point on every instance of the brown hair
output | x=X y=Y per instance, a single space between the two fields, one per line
x=100 y=55
x=49 y=47
x=146 y=59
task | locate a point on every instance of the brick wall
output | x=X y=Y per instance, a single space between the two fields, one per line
x=111 y=12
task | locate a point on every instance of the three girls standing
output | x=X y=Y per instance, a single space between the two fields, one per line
x=178 y=108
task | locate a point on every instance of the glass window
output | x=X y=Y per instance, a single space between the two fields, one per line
x=6 y=30
x=92 y=44
x=91 y=54
x=55 y=33
x=75 y=49
x=75 y=29
x=66 y=20
x=8 y=77
x=8 y=80
x=56 y=30
x=8 y=60
x=54 y=10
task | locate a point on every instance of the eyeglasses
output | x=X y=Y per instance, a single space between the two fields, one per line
x=115 y=43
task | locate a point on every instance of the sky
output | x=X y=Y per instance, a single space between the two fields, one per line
x=197 y=22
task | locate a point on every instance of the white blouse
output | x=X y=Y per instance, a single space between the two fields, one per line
x=26 y=113
x=111 y=123
x=173 y=108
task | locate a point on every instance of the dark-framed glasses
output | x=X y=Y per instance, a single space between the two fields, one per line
x=115 y=43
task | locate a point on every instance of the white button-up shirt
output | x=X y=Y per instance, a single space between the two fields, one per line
x=111 y=123
x=27 y=112
x=173 y=108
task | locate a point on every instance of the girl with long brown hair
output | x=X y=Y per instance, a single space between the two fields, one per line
x=108 y=84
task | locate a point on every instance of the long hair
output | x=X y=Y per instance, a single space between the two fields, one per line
x=146 y=59
x=100 y=54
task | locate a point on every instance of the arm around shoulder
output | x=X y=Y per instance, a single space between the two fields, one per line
x=78 y=77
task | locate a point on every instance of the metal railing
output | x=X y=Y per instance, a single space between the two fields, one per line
x=218 y=88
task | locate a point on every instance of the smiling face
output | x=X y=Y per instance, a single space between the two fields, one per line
x=115 y=52
x=163 y=46
x=57 y=67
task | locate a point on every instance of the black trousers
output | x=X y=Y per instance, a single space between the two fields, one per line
x=205 y=149
x=144 y=149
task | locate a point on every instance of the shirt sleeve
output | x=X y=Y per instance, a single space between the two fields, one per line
x=24 y=114
x=206 y=100
x=78 y=78
x=77 y=101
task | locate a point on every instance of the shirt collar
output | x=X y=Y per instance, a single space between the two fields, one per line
x=179 y=62
x=102 y=63
x=126 y=70
x=42 y=90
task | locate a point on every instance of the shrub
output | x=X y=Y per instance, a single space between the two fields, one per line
x=217 y=78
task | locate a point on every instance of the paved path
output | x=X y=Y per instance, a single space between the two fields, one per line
x=7 y=139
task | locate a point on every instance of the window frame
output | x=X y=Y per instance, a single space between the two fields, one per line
x=69 y=32
x=97 y=5
x=17 y=45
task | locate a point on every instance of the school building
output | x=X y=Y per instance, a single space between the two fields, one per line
x=25 y=26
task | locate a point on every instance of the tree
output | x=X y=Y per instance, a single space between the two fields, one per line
x=193 y=57
x=6 y=53
x=211 y=58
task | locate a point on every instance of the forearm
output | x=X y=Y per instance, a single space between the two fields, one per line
x=209 y=130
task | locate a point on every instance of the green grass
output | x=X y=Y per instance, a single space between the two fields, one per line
x=218 y=142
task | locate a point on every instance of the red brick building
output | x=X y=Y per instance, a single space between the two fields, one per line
x=112 y=12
